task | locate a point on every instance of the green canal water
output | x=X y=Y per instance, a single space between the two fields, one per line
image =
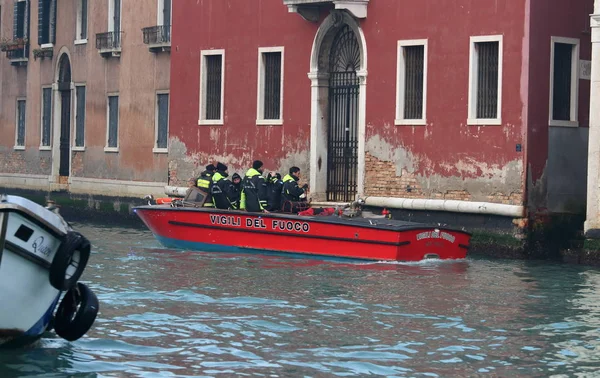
x=173 y=313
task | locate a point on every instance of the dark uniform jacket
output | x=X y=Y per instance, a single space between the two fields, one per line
x=221 y=190
x=254 y=191
x=291 y=191
x=236 y=192
x=274 y=187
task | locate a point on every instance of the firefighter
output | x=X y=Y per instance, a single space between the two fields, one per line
x=293 y=196
x=254 y=189
x=221 y=188
x=274 y=187
x=236 y=190
x=203 y=183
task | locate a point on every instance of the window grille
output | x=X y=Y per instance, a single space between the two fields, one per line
x=272 y=85
x=213 y=86
x=487 y=79
x=413 y=82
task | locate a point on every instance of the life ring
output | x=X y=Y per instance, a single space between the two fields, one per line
x=76 y=313
x=70 y=261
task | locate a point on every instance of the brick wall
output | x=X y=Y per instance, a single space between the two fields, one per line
x=24 y=162
x=77 y=164
x=381 y=181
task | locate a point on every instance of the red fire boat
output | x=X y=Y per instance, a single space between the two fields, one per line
x=207 y=229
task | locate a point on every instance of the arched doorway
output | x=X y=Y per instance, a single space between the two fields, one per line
x=342 y=135
x=64 y=108
x=338 y=102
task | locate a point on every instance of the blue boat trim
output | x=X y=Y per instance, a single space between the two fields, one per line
x=35 y=332
x=40 y=326
x=208 y=247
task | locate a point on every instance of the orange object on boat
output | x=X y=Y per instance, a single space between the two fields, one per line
x=164 y=200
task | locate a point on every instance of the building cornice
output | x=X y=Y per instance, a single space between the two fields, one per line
x=310 y=9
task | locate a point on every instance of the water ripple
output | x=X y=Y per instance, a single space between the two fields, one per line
x=187 y=314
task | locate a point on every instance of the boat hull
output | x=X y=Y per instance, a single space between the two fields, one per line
x=331 y=236
x=40 y=257
x=28 y=300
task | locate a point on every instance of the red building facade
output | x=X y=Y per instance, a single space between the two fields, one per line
x=475 y=106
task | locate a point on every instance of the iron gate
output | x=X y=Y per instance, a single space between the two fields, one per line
x=342 y=146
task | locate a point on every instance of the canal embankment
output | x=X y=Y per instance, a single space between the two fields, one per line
x=557 y=237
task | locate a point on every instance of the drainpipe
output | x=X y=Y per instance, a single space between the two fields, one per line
x=454 y=206
x=592 y=223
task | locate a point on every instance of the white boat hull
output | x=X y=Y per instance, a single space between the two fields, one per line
x=28 y=242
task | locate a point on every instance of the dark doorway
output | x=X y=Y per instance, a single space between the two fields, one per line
x=64 y=88
x=342 y=146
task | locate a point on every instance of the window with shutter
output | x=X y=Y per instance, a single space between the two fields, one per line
x=46 y=21
x=213 y=86
x=270 y=86
x=19 y=20
x=80 y=116
x=113 y=122
x=485 y=81
x=20 y=137
x=564 y=82
x=162 y=120
x=411 y=83
x=82 y=20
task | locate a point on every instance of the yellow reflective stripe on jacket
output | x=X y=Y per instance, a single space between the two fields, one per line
x=203 y=183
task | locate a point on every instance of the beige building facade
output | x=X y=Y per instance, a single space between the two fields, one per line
x=84 y=95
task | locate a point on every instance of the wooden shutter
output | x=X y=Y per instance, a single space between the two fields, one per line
x=52 y=25
x=27 y=19
x=117 y=16
x=42 y=22
x=16 y=18
x=167 y=13
x=84 y=19
x=80 y=116
x=46 y=116
x=113 y=121
x=163 y=120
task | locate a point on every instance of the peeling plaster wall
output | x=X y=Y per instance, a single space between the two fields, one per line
x=445 y=156
x=249 y=25
x=184 y=166
x=393 y=171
